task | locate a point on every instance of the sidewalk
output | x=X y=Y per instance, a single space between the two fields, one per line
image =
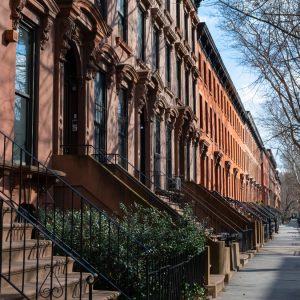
x=273 y=274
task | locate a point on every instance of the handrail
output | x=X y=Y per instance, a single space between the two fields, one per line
x=116 y=155
x=41 y=233
x=100 y=156
x=58 y=205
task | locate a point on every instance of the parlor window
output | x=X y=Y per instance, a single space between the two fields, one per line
x=122 y=19
x=204 y=73
x=206 y=118
x=24 y=93
x=201 y=111
x=141 y=34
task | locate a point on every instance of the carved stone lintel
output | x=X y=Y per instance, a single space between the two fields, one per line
x=16 y=9
x=45 y=33
x=235 y=171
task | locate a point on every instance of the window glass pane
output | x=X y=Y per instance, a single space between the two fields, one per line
x=140 y=34
x=121 y=7
x=23 y=61
x=123 y=127
x=100 y=112
x=20 y=123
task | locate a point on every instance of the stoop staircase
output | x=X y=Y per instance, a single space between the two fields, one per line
x=31 y=270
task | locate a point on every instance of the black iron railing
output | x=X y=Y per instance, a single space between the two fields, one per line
x=172 y=274
x=212 y=218
x=71 y=220
x=80 y=234
x=41 y=267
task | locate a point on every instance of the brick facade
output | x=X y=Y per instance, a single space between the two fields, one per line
x=161 y=109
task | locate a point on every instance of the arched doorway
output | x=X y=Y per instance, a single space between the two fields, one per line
x=71 y=117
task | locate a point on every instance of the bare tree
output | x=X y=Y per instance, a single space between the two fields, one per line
x=267 y=35
x=282 y=15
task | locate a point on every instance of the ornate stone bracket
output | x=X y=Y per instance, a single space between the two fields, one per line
x=218 y=156
x=127 y=77
x=235 y=171
x=158 y=17
x=204 y=145
x=16 y=9
x=227 y=167
x=48 y=22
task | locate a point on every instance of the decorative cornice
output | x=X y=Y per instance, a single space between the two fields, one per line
x=235 y=171
x=170 y=34
x=180 y=49
x=188 y=61
x=158 y=17
x=195 y=72
x=227 y=167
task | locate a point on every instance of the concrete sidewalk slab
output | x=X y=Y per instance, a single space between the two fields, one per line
x=273 y=274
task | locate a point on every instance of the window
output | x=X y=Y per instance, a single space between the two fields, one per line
x=122 y=19
x=199 y=63
x=211 y=123
x=195 y=162
x=169 y=151
x=187 y=88
x=204 y=72
x=187 y=160
x=100 y=112
x=141 y=34
x=194 y=97
x=168 y=5
x=102 y=4
x=216 y=131
x=168 y=66
x=201 y=111
x=177 y=13
x=178 y=78
x=209 y=81
x=206 y=117
x=24 y=95
x=155 y=49
x=123 y=127
x=157 y=150
x=186 y=27
x=193 y=40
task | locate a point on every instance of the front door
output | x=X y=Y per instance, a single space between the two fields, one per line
x=70 y=105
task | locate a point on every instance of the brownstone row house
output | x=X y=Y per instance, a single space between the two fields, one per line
x=127 y=101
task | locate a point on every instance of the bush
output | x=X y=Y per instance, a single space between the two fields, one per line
x=114 y=251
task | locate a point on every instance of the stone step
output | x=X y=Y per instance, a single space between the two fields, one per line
x=16 y=231
x=62 y=289
x=14 y=251
x=32 y=269
x=216 y=285
x=9 y=215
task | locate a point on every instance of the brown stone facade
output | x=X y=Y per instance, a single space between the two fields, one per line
x=79 y=76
